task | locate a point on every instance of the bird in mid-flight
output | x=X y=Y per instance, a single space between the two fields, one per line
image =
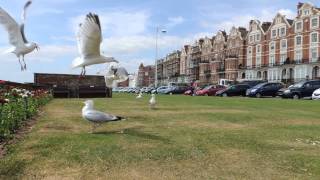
x=89 y=37
x=17 y=37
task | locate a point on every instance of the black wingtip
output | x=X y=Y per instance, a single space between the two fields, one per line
x=118 y=118
x=95 y=18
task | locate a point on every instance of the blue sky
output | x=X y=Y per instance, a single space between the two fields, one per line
x=128 y=29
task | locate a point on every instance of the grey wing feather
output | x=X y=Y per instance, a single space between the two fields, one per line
x=12 y=27
x=97 y=116
x=24 y=20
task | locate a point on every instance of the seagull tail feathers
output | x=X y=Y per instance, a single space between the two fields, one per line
x=118 y=118
x=77 y=62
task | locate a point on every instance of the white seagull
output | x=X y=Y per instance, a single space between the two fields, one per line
x=97 y=117
x=152 y=102
x=139 y=96
x=89 y=39
x=115 y=75
x=17 y=36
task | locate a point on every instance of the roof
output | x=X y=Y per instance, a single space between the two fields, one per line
x=290 y=21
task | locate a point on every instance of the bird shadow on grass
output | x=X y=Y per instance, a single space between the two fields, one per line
x=135 y=132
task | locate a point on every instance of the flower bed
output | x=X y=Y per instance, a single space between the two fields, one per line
x=17 y=106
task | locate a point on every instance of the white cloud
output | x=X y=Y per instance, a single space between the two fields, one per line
x=47 y=53
x=119 y=22
x=174 y=21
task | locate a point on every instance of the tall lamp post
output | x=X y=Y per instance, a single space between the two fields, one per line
x=157 y=52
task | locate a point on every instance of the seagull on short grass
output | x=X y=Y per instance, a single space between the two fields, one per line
x=17 y=36
x=97 y=117
x=152 y=102
x=139 y=96
x=89 y=39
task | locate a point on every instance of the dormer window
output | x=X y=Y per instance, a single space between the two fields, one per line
x=283 y=32
x=258 y=38
x=298 y=26
x=306 y=12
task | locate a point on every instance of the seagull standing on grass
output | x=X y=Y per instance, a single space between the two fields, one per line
x=89 y=39
x=17 y=36
x=139 y=96
x=153 y=102
x=97 y=117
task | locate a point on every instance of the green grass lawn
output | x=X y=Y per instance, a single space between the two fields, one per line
x=185 y=138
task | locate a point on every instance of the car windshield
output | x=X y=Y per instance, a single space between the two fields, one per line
x=207 y=87
x=232 y=87
x=298 y=85
x=259 y=86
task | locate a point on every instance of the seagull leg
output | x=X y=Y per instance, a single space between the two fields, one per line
x=20 y=63
x=84 y=71
x=25 y=65
x=93 y=128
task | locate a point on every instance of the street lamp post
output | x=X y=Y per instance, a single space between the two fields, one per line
x=156 y=65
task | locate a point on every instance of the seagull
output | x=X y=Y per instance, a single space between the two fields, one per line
x=139 y=96
x=115 y=75
x=17 y=37
x=152 y=102
x=89 y=37
x=97 y=117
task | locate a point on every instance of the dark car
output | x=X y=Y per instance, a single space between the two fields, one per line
x=210 y=90
x=235 y=90
x=179 y=89
x=264 y=89
x=301 y=89
x=253 y=83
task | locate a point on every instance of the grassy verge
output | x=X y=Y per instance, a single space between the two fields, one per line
x=185 y=138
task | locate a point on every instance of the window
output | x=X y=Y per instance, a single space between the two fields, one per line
x=298 y=26
x=298 y=55
x=258 y=49
x=251 y=39
x=282 y=31
x=314 y=37
x=314 y=54
x=258 y=37
x=298 y=41
x=315 y=22
x=272 y=59
x=283 y=58
x=272 y=47
x=258 y=61
x=306 y=12
x=283 y=45
x=274 y=33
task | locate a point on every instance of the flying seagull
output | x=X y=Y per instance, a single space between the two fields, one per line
x=115 y=74
x=89 y=37
x=97 y=117
x=152 y=102
x=17 y=36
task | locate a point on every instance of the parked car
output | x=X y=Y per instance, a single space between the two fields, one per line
x=210 y=90
x=234 y=90
x=302 y=89
x=148 y=90
x=161 y=90
x=316 y=95
x=264 y=89
x=252 y=83
x=178 y=89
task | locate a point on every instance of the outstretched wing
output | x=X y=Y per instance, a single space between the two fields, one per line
x=12 y=27
x=89 y=36
x=24 y=20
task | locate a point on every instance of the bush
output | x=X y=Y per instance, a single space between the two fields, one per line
x=17 y=106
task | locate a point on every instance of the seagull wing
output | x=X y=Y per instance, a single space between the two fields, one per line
x=24 y=20
x=98 y=117
x=12 y=27
x=89 y=36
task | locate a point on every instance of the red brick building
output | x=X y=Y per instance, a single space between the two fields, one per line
x=146 y=76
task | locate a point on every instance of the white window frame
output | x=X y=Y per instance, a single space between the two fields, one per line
x=314 y=43
x=281 y=48
x=274 y=49
x=272 y=59
x=249 y=56
x=285 y=32
x=283 y=57
x=295 y=41
x=258 y=60
x=296 y=57
x=258 y=35
x=295 y=26
x=273 y=35
x=314 y=27
x=314 y=59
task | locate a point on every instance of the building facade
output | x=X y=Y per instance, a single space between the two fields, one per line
x=217 y=64
x=206 y=57
x=146 y=76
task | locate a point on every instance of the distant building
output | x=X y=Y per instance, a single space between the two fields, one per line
x=146 y=76
x=72 y=86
